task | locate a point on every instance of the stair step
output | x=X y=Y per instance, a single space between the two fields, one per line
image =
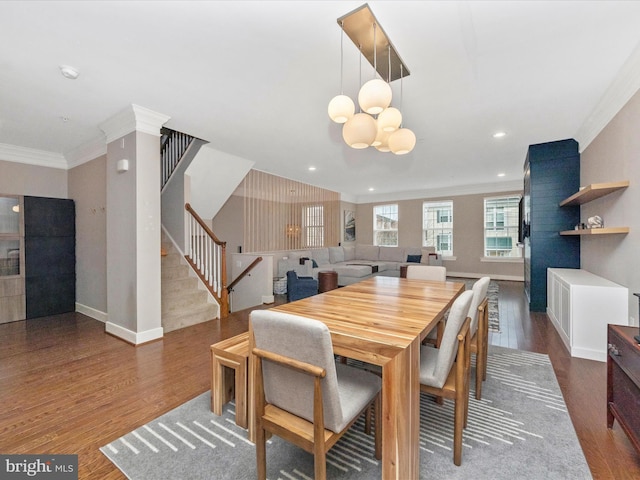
x=174 y=271
x=195 y=315
x=171 y=259
x=179 y=303
x=177 y=286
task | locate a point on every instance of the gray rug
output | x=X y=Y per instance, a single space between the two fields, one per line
x=520 y=429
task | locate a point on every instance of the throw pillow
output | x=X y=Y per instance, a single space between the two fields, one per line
x=314 y=264
x=414 y=258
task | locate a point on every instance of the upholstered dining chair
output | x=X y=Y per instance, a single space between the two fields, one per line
x=301 y=394
x=430 y=272
x=444 y=371
x=427 y=272
x=479 y=330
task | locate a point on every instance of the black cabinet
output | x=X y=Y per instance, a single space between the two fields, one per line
x=551 y=174
x=50 y=258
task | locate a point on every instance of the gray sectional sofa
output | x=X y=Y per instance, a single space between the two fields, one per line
x=354 y=264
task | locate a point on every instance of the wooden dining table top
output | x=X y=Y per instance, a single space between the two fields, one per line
x=374 y=319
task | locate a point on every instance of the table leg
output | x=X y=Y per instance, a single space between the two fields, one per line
x=401 y=415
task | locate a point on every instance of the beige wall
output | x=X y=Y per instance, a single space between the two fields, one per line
x=614 y=155
x=228 y=226
x=468 y=234
x=33 y=180
x=87 y=187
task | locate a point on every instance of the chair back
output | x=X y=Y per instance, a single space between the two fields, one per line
x=305 y=340
x=427 y=272
x=479 y=293
x=448 y=346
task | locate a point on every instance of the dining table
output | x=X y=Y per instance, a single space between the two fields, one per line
x=383 y=321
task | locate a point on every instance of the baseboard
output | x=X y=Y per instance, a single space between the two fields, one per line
x=92 y=312
x=135 y=338
x=512 y=278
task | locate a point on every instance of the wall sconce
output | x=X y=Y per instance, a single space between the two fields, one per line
x=122 y=165
x=292 y=230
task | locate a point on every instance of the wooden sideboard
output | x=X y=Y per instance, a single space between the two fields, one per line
x=623 y=381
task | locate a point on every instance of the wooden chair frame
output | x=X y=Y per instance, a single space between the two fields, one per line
x=480 y=345
x=456 y=387
x=312 y=437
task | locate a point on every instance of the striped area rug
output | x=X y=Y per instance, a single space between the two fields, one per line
x=520 y=429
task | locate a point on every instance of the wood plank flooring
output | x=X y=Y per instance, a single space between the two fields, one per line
x=67 y=387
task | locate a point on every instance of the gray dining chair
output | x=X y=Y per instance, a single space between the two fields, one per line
x=301 y=393
x=430 y=272
x=444 y=371
x=427 y=272
x=479 y=331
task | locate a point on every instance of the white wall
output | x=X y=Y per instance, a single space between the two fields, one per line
x=614 y=155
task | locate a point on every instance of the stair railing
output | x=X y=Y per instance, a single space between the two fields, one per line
x=207 y=256
x=173 y=147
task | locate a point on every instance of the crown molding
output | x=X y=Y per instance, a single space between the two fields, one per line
x=496 y=187
x=87 y=152
x=623 y=87
x=133 y=118
x=31 y=156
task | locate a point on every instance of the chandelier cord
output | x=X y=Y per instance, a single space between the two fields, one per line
x=341 y=58
x=401 y=92
x=375 y=49
x=360 y=80
x=389 y=71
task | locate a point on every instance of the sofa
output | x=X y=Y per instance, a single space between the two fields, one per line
x=356 y=263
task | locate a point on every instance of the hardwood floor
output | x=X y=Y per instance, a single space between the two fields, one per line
x=67 y=387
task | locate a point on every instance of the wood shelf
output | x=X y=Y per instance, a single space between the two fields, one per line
x=593 y=191
x=596 y=231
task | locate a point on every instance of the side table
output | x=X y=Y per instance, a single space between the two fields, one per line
x=327 y=280
x=403 y=271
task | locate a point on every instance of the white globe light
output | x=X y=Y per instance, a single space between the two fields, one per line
x=374 y=96
x=360 y=131
x=341 y=108
x=390 y=119
x=382 y=138
x=402 y=141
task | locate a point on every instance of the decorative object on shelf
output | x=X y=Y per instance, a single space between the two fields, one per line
x=595 y=222
x=361 y=130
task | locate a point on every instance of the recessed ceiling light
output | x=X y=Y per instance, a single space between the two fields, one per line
x=64 y=119
x=501 y=174
x=69 y=72
x=311 y=169
x=499 y=134
x=371 y=189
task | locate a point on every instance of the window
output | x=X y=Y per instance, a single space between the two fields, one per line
x=501 y=227
x=437 y=226
x=313 y=223
x=385 y=225
x=10 y=240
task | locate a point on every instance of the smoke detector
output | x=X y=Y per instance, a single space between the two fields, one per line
x=69 y=72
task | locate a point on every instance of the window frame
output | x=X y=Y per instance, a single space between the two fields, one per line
x=498 y=220
x=442 y=212
x=379 y=210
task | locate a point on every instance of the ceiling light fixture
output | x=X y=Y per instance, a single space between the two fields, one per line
x=363 y=129
x=499 y=134
x=311 y=169
x=69 y=72
x=341 y=107
x=403 y=140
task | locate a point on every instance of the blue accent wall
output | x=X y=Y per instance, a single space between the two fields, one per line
x=553 y=175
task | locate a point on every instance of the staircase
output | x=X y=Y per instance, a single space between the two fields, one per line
x=183 y=303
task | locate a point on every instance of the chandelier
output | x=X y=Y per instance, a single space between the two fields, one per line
x=377 y=124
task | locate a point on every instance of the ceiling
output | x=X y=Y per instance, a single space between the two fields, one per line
x=255 y=78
